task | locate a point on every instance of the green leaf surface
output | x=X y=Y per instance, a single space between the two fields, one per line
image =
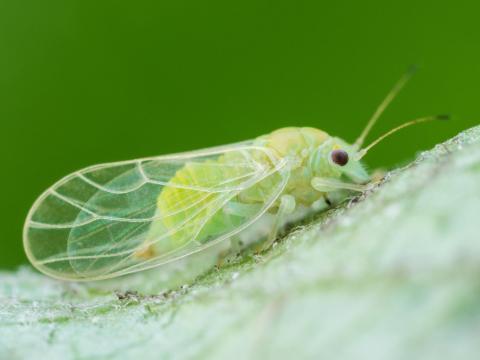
x=393 y=274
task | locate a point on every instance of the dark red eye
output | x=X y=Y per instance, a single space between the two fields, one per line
x=339 y=157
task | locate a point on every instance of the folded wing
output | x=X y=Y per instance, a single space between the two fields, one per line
x=112 y=219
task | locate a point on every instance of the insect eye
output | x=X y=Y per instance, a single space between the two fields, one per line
x=339 y=157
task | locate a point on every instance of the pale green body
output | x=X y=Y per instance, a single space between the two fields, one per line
x=307 y=153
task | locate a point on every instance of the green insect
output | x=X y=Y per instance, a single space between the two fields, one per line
x=118 y=218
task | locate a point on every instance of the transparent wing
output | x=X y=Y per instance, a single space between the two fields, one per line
x=112 y=219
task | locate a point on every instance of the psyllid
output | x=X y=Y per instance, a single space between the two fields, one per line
x=118 y=218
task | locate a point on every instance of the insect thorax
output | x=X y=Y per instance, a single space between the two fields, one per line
x=305 y=147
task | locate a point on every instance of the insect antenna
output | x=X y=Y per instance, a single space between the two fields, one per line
x=384 y=104
x=362 y=152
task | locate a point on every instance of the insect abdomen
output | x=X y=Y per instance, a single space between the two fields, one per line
x=200 y=216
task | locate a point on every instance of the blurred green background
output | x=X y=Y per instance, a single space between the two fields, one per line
x=85 y=82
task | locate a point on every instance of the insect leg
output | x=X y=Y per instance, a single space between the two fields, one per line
x=321 y=204
x=287 y=206
x=236 y=209
x=327 y=185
